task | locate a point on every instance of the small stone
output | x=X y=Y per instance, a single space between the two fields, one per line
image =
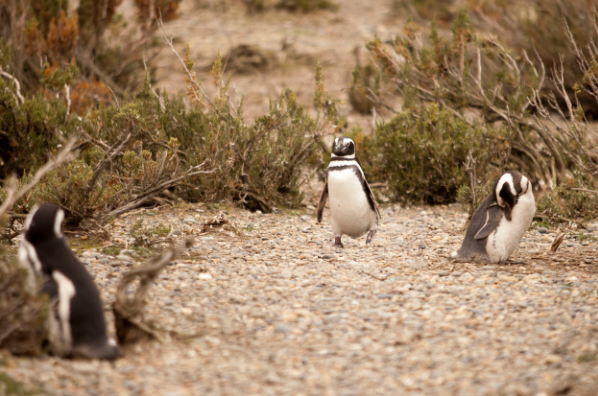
x=186 y=311
x=467 y=276
x=552 y=359
x=282 y=328
x=588 y=260
x=190 y=220
x=104 y=261
x=542 y=230
x=204 y=276
x=443 y=273
x=124 y=258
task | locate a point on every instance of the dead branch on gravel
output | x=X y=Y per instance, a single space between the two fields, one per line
x=220 y=223
x=560 y=237
x=129 y=320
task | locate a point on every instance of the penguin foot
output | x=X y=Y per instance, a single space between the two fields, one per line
x=338 y=243
x=370 y=236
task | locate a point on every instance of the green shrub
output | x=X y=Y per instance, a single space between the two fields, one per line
x=566 y=203
x=144 y=235
x=422 y=156
x=133 y=151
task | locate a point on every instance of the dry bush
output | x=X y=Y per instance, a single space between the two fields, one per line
x=144 y=149
x=479 y=80
x=42 y=35
x=535 y=25
x=476 y=85
x=564 y=120
x=22 y=315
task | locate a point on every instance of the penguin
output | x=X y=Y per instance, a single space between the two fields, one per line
x=500 y=221
x=353 y=208
x=77 y=327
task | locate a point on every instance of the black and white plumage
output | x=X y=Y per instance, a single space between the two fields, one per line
x=500 y=221
x=353 y=208
x=77 y=327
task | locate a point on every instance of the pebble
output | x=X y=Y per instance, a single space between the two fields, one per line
x=124 y=258
x=542 y=230
x=279 y=310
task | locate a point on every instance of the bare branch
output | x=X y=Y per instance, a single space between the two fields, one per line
x=17 y=85
x=168 y=42
x=12 y=194
x=128 y=312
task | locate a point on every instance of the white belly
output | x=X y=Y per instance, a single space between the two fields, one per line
x=504 y=240
x=350 y=210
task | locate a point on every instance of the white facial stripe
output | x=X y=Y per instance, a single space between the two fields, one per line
x=524 y=185
x=58 y=223
x=62 y=338
x=343 y=162
x=506 y=178
x=30 y=217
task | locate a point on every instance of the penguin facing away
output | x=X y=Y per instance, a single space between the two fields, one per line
x=77 y=327
x=353 y=208
x=500 y=221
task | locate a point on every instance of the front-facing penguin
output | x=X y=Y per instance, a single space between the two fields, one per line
x=353 y=208
x=500 y=222
x=77 y=327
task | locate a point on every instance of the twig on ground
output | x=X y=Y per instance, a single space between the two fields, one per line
x=557 y=241
x=128 y=312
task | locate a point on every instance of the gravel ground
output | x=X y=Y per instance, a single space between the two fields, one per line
x=279 y=311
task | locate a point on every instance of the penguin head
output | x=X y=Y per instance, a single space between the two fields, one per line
x=508 y=188
x=44 y=223
x=343 y=147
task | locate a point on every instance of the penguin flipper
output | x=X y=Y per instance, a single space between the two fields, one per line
x=322 y=203
x=493 y=216
x=371 y=199
x=49 y=287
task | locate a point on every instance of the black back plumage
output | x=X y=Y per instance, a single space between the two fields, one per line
x=485 y=220
x=87 y=322
x=488 y=215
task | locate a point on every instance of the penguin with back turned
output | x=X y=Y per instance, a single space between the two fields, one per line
x=77 y=327
x=500 y=221
x=353 y=208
